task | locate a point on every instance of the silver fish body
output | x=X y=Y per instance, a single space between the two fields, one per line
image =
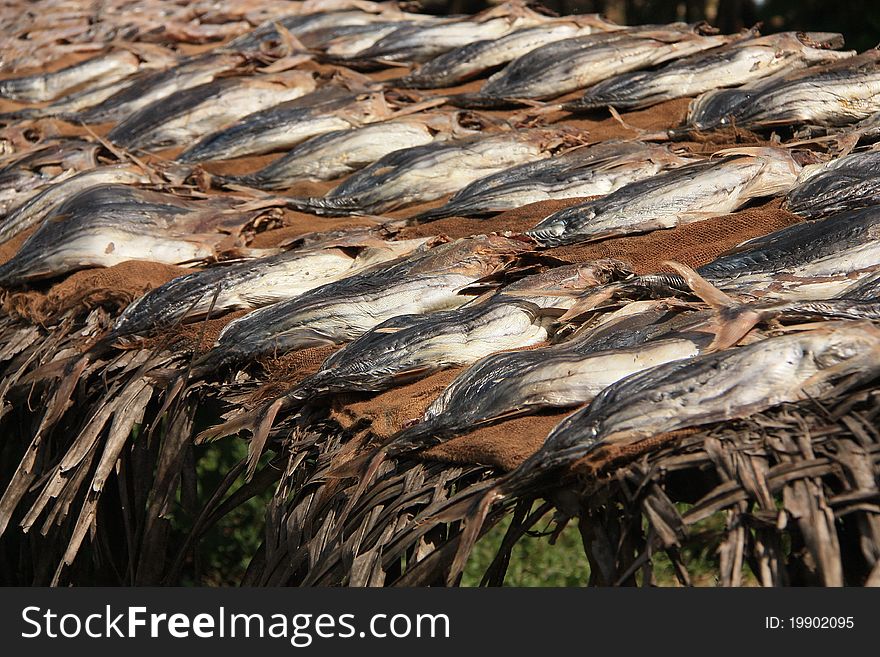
x=150 y=87
x=425 y=173
x=251 y=284
x=816 y=259
x=833 y=95
x=469 y=61
x=407 y=347
x=842 y=184
x=26 y=174
x=339 y=152
x=571 y=64
x=49 y=86
x=192 y=113
x=418 y=43
x=37 y=207
x=683 y=195
x=731 y=65
x=425 y=282
x=288 y=124
x=512 y=384
x=705 y=389
x=108 y=224
x=593 y=171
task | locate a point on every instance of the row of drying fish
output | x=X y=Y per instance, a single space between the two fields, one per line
x=105 y=215
x=226 y=98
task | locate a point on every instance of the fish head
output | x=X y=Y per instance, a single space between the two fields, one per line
x=846 y=346
x=569 y=279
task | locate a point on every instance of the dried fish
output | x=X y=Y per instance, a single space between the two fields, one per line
x=195 y=112
x=841 y=184
x=734 y=64
x=407 y=347
x=256 y=283
x=286 y=125
x=833 y=95
x=49 y=86
x=154 y=86
x=683 y=195
x=584 y=171
x=816 y=259
x=339 y=153
x=32 y=211
x=706 y=389
x=469 y=61
x=571 y=64
x=108 y=224
x=424 y=173
x=419 y=43
x=425 y=282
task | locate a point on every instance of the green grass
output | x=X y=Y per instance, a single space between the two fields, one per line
x=536 y=562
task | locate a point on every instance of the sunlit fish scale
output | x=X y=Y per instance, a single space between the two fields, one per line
x=419 y=43
x=108 y=224
x=412 y=346
x=33 y=210
x=254 y=283
x=49 y=86
x=734 y=64
x=593 y=171
x=571 y=64
x=425 y=282
x=339 y=153
x=841 y=184
x=815 y=259
x=151 y=87
x=684 y=195
x=192 y=113
x=467 y=62
x=706 y=389
x=833 y=95
x=286 y=125
x=425 y=173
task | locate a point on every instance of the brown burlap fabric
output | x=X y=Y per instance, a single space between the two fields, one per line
x=118 y=286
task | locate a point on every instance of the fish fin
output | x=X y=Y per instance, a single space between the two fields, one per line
x=733 y=320
x=589 y=302
x=701 y=287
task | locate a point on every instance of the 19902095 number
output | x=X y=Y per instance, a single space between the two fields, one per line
x=821 y=622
